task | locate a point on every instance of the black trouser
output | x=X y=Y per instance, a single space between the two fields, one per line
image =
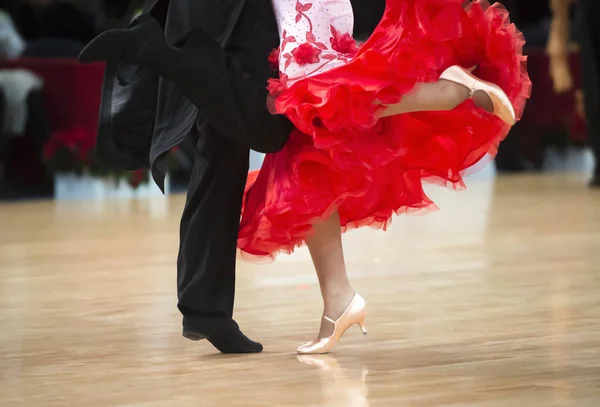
x=210 y=221
x=590 y=63
x=209 y=230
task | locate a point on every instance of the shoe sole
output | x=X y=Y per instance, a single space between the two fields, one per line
x=193 y=336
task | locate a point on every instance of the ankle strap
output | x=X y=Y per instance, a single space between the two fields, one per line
x=328 y=319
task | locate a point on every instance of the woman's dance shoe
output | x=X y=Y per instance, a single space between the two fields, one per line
x=353 y=315
x=502 y=106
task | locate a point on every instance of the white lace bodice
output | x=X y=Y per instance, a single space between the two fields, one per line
x=315 y=35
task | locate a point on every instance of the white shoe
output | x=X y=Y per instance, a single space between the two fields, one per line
x=502 y=106
x=354 y=314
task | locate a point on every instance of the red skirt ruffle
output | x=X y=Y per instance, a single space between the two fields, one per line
x=343 y=158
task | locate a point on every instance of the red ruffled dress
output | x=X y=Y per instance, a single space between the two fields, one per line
x=342 y=157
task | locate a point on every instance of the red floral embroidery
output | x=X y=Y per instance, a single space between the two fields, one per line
x=306 y=54
x=342 y=43
x=287 y=39
x=301 y=9
x=288 y=60
x=274 y=59
x=310 y=37
x=312 y=51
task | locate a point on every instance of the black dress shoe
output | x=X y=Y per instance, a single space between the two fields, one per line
x=125 y=45
x=224 y=334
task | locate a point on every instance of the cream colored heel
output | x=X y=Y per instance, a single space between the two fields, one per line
x=361 y=325
x=502 y=106
x=354 y=314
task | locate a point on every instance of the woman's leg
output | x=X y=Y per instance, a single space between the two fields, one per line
x=436 y=96
x=325 y=246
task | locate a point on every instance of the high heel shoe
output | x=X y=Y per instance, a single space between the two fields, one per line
x=354 y=314
x=502 y=106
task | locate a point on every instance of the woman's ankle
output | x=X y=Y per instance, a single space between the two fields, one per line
x=341 y=296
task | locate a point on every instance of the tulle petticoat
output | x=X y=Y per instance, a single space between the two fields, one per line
x=341 y=157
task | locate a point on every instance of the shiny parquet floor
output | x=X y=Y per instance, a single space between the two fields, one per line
x=494 y=301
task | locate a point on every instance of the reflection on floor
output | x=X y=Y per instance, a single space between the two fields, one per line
x=490 y=302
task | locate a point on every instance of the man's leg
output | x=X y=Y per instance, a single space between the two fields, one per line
x=207 y=256
x=229 y=90
x=590 y=62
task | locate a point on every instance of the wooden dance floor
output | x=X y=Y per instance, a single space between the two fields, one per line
x=494 y=301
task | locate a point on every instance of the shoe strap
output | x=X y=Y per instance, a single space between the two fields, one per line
x=328 y=319
x=473 y=88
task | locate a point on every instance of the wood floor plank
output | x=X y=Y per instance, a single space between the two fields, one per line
x=493 y=301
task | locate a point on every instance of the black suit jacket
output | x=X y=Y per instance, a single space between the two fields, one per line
x=142 y=116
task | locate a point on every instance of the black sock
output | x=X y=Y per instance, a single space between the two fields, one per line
x=226 y=336
x=230 y=339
